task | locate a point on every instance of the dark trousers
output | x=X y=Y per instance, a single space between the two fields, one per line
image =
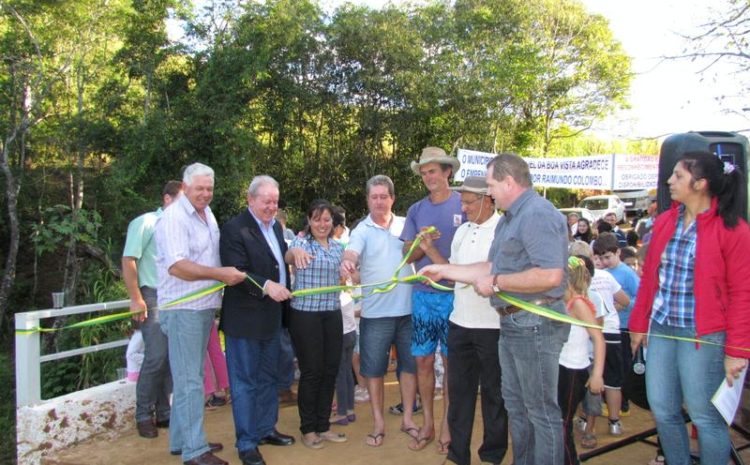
x=155 y=380
x=286 y=361
x=317 y=338
x=571 y=388
x=627 y=364
x=253 y=373
x=473 y=357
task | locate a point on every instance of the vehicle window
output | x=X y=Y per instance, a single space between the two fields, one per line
x=594 y=204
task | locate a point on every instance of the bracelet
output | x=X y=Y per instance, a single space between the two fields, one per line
x=495 y=287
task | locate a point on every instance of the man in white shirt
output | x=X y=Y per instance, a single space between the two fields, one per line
x=187 y=240
x=473 y=333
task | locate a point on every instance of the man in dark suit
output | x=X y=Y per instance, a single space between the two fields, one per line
x=253 y=242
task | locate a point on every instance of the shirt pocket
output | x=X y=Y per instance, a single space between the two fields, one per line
x=511 y=248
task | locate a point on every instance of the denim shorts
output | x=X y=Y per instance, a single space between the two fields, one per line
x=430 y=312
x=376 y=335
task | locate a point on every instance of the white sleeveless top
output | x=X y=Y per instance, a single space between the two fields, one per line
x=575 y=352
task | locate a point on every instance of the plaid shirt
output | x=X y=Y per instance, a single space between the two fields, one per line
x=674 y=304
x=323 y=270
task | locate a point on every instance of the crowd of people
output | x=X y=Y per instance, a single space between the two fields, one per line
x=501 y=248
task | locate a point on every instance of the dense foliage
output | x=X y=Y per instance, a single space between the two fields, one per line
x=99 y=108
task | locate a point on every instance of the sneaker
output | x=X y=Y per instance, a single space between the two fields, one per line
x=215 y=401
x=615 y=428
x=398 y=409
x=580 y=424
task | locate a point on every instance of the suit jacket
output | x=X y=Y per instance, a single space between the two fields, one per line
x=246 y=312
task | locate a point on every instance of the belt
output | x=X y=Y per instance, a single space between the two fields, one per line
x=511 y=309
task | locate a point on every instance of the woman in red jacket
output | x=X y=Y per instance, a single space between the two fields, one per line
x=695 y=284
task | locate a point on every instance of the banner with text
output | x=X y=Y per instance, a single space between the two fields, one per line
x=601 y=172
x=635 y=172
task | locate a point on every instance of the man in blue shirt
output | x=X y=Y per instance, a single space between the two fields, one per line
x=528 y=260
x=430 y=307
x=375 y=247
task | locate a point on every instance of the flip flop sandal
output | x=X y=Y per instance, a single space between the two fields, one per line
x=443 y=447
x=332 y=437
x=420 y=443
x=412 y=431
x=377 y=439
x=313 y=444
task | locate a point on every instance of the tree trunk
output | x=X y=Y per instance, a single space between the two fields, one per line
x=11 y=197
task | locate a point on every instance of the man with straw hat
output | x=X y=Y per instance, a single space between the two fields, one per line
x=430 y=307
x=473 y=333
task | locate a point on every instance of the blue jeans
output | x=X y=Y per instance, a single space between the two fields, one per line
x=155 y=380
x=253 y=378
x=529 y=350
x=680 y=373
x=187 y=335
x=345 y=377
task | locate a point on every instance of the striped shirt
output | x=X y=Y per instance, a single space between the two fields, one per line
x=322 y=271
x=674 y=304
x=181 y=234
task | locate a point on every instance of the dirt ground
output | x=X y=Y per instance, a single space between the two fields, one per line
x=130 y=449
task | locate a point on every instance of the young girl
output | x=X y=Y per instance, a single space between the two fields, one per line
x=574 y=357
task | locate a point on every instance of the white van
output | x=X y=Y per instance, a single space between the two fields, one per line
x=636 y=201
x=598 y=205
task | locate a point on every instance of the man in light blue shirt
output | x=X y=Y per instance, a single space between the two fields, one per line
x=386 y=317
x=139 y=273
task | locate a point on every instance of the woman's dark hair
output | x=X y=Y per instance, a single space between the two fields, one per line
x=725 y=182
x=339 y=216
x=317 y=207
x=588 y=236
x=631 y=238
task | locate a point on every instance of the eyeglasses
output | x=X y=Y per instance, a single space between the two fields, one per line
x=464 y=203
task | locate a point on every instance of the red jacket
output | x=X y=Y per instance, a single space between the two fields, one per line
x=722 y=278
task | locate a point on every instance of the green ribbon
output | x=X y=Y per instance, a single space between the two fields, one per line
x=376 y=288
x=553 y=315
x=381 y=287
x=81 y=324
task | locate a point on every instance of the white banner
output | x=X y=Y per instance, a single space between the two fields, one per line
x=592 y=172
x=588 y=172
x=473 y=163
x=636 y=172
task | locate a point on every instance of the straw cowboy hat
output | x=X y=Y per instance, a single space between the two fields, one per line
x=474 y=184
x=435 y=155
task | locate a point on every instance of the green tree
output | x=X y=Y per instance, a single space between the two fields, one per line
x=582 y=72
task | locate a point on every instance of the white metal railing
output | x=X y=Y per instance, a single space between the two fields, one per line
x=29 y=358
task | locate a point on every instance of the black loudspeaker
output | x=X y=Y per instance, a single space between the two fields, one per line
x=728 y=146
